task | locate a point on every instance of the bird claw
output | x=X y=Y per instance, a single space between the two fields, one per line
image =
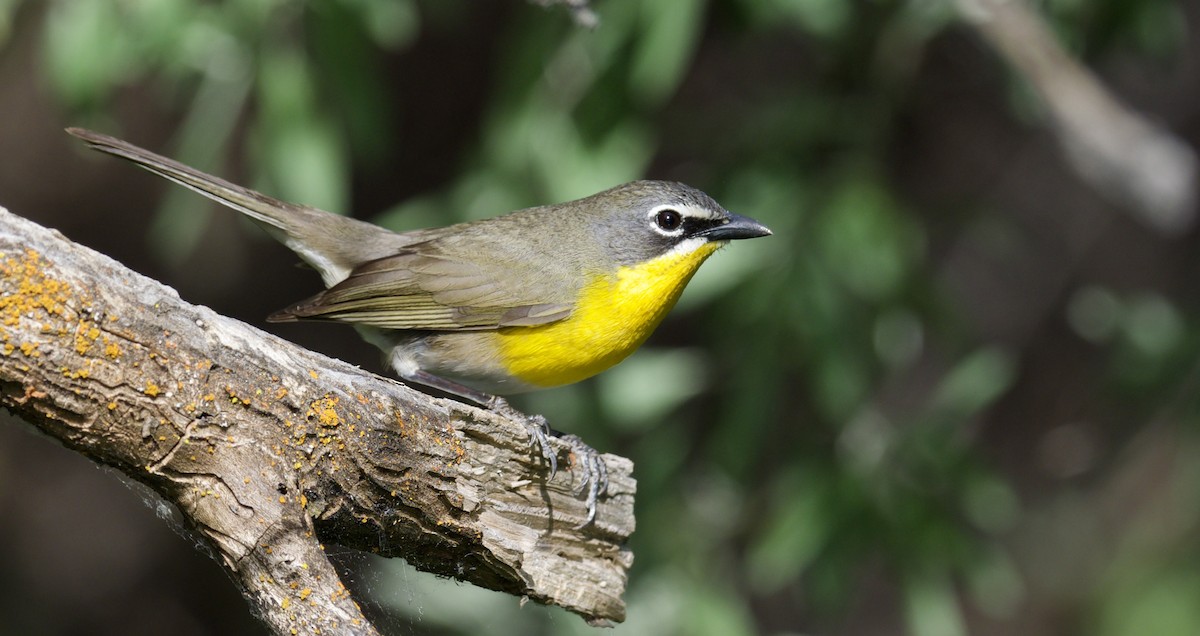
x=539 y=434
x=594 y=478
x=593 y=481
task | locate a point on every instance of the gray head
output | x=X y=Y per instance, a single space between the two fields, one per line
x=641 y=220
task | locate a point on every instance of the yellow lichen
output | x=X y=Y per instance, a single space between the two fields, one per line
x=151 y=389
x=31 y=290
x=82 y=345
x=325 y=411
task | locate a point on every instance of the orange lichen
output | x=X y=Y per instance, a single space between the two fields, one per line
x=75 y=375
x=401 y=424
x=34 y=291
x=325 y=411
x=85 y=335
x=151 y=389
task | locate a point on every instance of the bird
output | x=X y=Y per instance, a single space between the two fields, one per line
x=532 y=299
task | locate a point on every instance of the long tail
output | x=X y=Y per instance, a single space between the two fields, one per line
x=331 y=243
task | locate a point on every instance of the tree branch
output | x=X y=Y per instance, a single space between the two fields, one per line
x=1120 y=153
x=268 y=449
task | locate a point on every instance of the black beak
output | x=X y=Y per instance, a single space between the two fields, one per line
x=736 y=227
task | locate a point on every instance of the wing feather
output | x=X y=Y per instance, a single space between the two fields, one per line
x=423 y=288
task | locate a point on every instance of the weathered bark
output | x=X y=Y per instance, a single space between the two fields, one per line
x=270 y=450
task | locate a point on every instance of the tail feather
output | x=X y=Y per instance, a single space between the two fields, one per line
x=331 y=243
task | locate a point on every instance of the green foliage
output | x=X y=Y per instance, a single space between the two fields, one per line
x=1158 y=604
x=288 y=63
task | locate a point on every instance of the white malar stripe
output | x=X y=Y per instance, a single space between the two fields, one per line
x=685 y=247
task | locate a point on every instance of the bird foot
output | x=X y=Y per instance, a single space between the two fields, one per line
x=594 y=481
x=594 y=478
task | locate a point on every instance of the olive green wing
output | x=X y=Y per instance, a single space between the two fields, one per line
x=423 y=288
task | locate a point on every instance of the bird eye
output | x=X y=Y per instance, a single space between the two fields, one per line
x=668 y=219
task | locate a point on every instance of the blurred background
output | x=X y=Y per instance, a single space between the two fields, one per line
x=955 y=393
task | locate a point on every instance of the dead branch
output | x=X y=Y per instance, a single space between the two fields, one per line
x=269 y=450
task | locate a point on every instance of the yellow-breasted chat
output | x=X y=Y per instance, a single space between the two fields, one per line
x=533 y=299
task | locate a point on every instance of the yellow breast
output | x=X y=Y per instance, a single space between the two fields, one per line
x=613 y=317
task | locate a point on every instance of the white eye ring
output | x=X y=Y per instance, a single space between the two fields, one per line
x=667 y=220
